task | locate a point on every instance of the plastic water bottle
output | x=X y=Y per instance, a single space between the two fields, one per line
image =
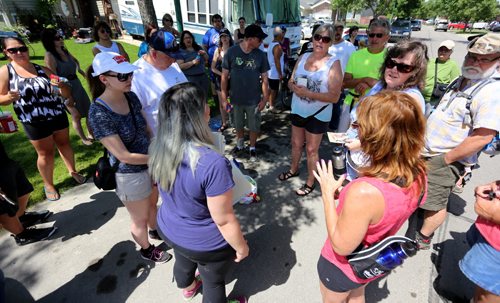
x=338 y=161
x=393 y=255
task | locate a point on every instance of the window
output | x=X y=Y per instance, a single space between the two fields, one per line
x=201 y=11
x=129 y=2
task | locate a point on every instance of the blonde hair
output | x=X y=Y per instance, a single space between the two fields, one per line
x=391 y=131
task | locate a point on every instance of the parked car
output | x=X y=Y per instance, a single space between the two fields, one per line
x=441 y=25
x=84 y=35
x=416 y=25
x=459 y=25
x=400 y=29
x=327 y=20
x=430 y=22
x=306 y=31
x=480 y=25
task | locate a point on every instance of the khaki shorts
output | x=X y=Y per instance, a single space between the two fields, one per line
x=253 y=119
x=132 y=187
x=441 y=178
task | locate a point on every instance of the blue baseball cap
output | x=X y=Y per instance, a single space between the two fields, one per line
x=164 y=42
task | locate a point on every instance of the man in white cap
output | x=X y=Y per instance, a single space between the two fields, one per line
x=463 y=123
x=440 y=72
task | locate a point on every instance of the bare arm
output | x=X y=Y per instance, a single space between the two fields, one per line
x=50 y=61
x=486 y=208
x=122 y=51
x=6 y=95
x=223 y=83
x=235 y=35
x=471 y=145
x=277 y=52
x=95 y=51
x=221 y=210
x=213 y=64
x=187 y=64
x=115 y=146
x=360 y=84
x=265 y=91
x=64 y=87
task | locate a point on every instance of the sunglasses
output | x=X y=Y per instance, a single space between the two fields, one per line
x=475 y=59
x=121 y=77
x=324 y=39
x=15 y=50
x=402 y=68
x=379 y=35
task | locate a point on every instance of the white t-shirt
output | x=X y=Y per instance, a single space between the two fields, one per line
x=149 y=84
x=112 y=49
x=342 y=51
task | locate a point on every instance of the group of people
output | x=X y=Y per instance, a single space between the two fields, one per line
x=398 y=159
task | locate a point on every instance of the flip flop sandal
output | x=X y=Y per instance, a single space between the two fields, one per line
x=51 y=195
x=80 y=179
x=306 y=190
x=287 y=175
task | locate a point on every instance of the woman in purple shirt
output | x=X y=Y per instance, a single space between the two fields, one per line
x=195 y=183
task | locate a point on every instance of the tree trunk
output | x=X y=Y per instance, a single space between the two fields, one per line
x=147 y=11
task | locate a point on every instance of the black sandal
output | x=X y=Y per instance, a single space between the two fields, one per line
x=306 y=189
x=287 y=175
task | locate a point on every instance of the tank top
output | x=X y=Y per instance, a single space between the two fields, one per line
x=37 y=104
x=400 y=203
x=490 y=231
x=113 y=49
x=318 y=82
x=240 y=35
x=66 y=68
x=273 y=71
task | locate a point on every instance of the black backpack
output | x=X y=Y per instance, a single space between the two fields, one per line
x=104 y=175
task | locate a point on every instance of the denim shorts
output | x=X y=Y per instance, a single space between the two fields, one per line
x=481 y=264
x=132 y=187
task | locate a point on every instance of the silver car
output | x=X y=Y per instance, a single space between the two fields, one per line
x=441 y=25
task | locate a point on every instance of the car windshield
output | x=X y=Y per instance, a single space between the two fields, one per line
x=399 y=23
x=415 y=22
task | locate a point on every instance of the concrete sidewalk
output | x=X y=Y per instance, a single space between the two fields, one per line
x=92 y=257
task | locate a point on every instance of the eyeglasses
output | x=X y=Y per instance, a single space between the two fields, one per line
x=121 y=77
x=475 y=59
x=402 y=68
x=378 y=35
x=57 y=38
x=324 y=39
x=15 y=50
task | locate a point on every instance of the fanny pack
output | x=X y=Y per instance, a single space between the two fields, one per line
x=300 y=121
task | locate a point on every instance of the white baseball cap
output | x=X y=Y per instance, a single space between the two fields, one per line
x=448 y=44
x=111 y=62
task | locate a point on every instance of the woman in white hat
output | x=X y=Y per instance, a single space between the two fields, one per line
x=117 y=121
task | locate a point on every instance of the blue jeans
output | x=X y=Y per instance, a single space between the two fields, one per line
x=481 y=264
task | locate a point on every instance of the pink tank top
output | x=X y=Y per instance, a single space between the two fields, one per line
x=490 y=231
x=400 y=203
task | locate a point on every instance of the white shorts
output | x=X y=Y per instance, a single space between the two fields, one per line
x=132 y=187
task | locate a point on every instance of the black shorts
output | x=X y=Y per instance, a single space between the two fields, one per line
x=40 y=130
x=314 y=126
x=274 y=84
x=13 y=181
x=333 y=278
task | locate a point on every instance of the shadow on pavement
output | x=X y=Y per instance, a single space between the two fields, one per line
x=109 y=279
x=450 y=282
x=456 y=205
x=91 y=215
x=269 y=263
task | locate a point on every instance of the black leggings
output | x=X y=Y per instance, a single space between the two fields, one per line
x=213 y=267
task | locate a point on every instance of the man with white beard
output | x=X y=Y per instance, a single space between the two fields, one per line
x=466 y=119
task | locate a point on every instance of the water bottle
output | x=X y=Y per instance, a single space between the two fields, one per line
x=338 y=161
x=393 y=255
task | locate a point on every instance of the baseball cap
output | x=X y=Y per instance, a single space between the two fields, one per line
x=485 y=45
x=448 y=44
x=164 y=42
x=225 y=31
x=254 y=31
x=111 y=62
x=338 y=24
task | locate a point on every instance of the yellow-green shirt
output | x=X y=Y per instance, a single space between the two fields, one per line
x=362 y=64
x=446 y=72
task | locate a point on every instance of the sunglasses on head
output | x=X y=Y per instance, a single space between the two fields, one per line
x=121 y=77
x=379 y=35
x=15 y=50
x=324 y=39
x=402 y=68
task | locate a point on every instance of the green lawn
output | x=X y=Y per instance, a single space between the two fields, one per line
x=19 y=148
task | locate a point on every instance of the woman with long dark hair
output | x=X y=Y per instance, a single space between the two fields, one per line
x=102 y=36
x=195 y=184
x=192 y=59
x=64 y=64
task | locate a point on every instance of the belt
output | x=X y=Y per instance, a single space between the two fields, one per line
x=71 y=77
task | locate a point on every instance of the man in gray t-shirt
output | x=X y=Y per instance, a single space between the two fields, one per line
x=245 y=66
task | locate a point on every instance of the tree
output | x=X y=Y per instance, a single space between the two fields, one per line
x=147 y=11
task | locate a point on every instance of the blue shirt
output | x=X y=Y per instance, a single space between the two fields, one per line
x=211 y=41
x=184 y=216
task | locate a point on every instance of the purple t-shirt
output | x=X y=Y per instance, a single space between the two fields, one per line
x=184 y=216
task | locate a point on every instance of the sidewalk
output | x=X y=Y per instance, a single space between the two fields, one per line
x=92 y=257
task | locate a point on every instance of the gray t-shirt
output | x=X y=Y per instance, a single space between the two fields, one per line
x=244 y=74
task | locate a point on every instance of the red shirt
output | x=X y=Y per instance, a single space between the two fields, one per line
x=490 y=231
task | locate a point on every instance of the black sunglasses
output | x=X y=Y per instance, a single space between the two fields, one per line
x=15 y=50
x=324 y=39
x=379 y=35
x=402 y=68
x=121 y=77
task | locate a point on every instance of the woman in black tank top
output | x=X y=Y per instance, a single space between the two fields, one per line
x=239 y=33
x=41 y=112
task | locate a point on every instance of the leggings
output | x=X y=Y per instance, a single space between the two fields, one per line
x=213 y=267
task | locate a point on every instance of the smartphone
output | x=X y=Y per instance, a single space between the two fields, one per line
x=302 y=81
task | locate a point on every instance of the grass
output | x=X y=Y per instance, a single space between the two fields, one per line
x=19 y=148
